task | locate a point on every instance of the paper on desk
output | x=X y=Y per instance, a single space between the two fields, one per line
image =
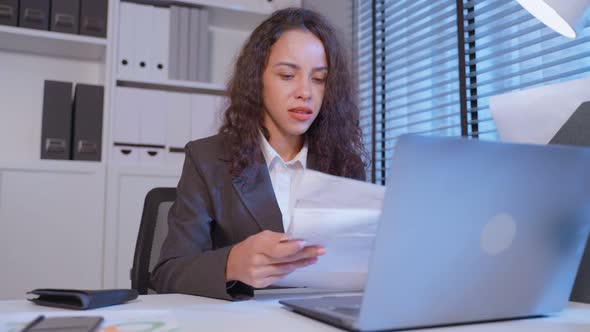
x=341 y=215
x=114 y=321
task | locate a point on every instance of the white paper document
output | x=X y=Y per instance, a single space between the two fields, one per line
x=341 y=215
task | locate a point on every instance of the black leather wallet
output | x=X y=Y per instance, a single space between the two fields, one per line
x=79 y=299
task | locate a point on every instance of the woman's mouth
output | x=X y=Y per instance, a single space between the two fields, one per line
x=301 y=113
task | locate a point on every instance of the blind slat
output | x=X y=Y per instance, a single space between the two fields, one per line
x=499 y=27
x=485 y=7
x=532 y=83
x=402 y=63
x=530 y=70
x=409 y=83
x=430 y=119
x=508 y=49
x=424 y=110
x=532 y=56
x=493 y=18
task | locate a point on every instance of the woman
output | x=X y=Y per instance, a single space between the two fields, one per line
x=291 y=107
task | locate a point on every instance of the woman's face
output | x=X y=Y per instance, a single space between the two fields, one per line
x=293 y=83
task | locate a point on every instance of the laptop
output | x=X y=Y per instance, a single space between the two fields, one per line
x=470 y=231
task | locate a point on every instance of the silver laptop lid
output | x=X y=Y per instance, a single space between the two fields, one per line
x=475 y=230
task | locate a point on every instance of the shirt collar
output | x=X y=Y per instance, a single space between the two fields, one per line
x=270 y=155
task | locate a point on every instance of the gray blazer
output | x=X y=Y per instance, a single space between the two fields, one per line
x=212 y=212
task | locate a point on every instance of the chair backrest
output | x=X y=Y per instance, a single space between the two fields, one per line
x=151 y=235
x=581 y=290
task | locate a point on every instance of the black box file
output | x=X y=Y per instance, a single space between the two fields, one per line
x=8 y=12
x=56 y=126
x=34 y=14
x=88 y=105
x=93 y=17
x=65 y=16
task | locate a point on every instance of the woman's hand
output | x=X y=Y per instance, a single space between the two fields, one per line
x=266 y=257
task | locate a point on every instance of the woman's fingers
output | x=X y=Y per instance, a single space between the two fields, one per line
x=266 y=271
x=284 y=248
x=263 y=283
x=266 y=257
x=280 y=249
x=275 y=244
x=307 y=252
x=276 y=271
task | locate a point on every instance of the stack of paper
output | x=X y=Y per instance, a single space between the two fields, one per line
x=341 y=215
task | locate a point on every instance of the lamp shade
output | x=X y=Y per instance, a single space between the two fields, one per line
x=563 y=16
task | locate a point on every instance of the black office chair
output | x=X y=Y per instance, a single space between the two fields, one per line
x=581 y=290
x=151 y=235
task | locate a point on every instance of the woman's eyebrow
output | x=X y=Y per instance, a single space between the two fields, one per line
x=324 y=68
x=288 y=64
x=297 y=67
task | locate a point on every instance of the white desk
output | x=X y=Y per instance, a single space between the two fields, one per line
x=264 y=313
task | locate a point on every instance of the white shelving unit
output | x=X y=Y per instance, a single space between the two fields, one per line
x=51 y=43
x=52 y=211
x=73 y=224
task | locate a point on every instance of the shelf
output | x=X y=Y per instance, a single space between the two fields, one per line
x=248 y=6
x=52 y=43
x=263 y=7
x=163 y=170
x=174 y=85
x=57 y=166
x=231 y=14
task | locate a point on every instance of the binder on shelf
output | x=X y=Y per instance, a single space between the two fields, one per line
x=126 y=125
x=159 y=52
x=183 y=47
x=9 y=12
x=65 y=16
x=174 y=49
x=152 y=127
x=193 y=43
x=126 y=58
x=143 y=42
x=56 y=125
x=34 y=14
x=206 y=112
x=203 y=57
x=93 y=17
x=144 y=39
x=178 y=131
x=88 y=106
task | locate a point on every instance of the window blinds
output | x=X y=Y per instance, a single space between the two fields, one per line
x=408 y=74
x=430 y=66
x=507 y=49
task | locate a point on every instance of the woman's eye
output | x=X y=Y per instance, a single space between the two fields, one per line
x=286 y=76
x=319 y=80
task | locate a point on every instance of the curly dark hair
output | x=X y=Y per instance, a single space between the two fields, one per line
x=334 y=137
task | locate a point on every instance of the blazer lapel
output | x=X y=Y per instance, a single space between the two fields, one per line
x=258 y=196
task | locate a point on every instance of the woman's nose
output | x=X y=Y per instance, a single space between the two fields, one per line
x=304 y=89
